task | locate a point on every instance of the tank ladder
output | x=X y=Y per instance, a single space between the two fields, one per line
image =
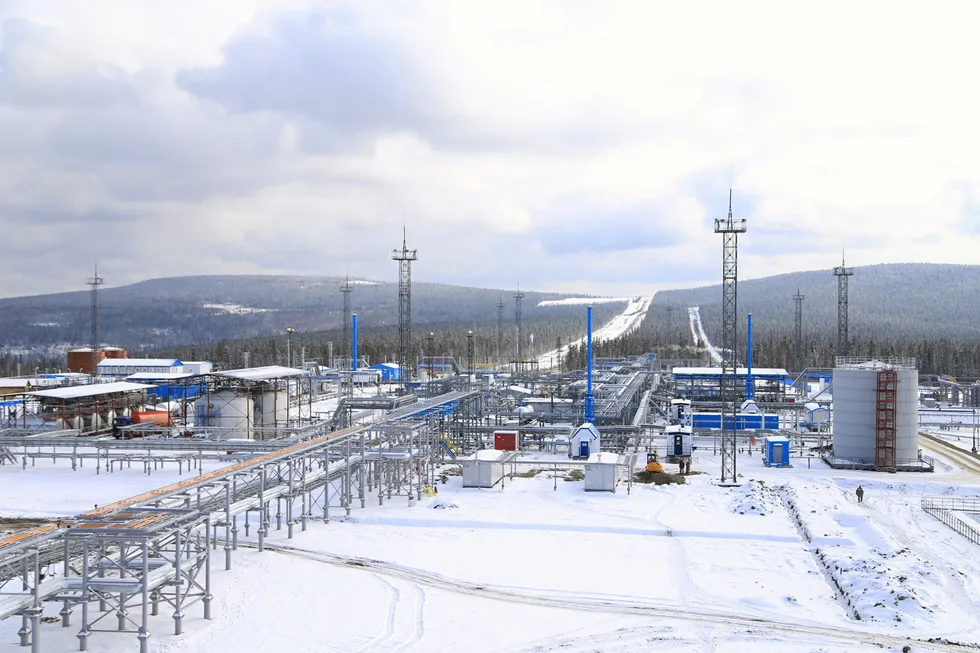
x=887 y=400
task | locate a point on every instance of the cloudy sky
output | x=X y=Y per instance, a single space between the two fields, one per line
x=567 y=145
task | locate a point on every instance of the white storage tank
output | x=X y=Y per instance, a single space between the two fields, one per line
x=228 y=412
x=271 y=408
x=856 y=404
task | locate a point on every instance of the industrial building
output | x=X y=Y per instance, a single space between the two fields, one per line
x=703 y=383
x=390 y=372
x=90 y=408
x=82 y=359
x=122 y=367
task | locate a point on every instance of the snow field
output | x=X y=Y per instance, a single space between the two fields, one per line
x=693 y=567
x=879 y=579
x=629 y=320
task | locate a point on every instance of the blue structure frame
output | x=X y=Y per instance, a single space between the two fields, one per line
x=743 y=421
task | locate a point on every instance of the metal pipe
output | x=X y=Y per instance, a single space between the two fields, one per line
x=589 y=397
x=749 y=383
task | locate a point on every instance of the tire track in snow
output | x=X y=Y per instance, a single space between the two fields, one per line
x=617 y=605
x=419 y=625
x=393 y=597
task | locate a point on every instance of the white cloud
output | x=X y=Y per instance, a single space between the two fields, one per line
x=578 y=146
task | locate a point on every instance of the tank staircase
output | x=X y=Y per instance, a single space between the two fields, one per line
x=887 y=400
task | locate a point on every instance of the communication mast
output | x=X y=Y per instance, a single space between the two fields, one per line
x=729 y=228
x=405 y=257
x=798 y=299
x=346 y=289
x=95 y=282
x=842 y=272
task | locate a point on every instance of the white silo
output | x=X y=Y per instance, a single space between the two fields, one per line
x=870 y=398
x=227 y=411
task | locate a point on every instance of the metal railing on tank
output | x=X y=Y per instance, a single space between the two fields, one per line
x=921 y=464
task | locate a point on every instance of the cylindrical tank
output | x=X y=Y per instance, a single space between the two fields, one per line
x=227 y=411
x=855 y=393
x=271 y=408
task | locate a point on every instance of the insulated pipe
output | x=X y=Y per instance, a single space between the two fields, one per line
x=749 y=383
x=589 y=399
x=354 y=342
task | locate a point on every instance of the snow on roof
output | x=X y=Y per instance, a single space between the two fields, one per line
x=812 y=406
x=139 y=362
x=716 y=371
x=604 y=457
x=777 y=438
x=586 y=430
x=518 y=388
x=393 y=366
x=159 y=376
x=488 y=454
x=263 y=373
x=17 y=383
x=90 y=390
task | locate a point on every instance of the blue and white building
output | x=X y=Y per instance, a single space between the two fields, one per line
x=120 y=368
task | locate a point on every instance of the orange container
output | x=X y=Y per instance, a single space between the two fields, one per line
x=158 y=417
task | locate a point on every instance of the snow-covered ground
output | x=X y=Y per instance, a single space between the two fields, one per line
x=630 y=319
x=528 y=567
x=698 y=334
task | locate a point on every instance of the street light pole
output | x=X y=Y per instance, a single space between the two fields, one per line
x=289 y=346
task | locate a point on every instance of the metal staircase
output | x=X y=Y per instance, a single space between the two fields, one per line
x=887 y=399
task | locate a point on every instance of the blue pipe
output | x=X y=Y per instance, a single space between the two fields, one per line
x=589 y=398
x=749 y=383
x=353 y=354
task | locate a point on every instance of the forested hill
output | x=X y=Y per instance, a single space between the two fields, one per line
x=207 y=309
x=895 y=302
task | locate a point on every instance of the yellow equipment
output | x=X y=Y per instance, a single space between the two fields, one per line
x=653 y=465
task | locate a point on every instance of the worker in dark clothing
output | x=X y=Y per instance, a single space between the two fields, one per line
x=860 y=494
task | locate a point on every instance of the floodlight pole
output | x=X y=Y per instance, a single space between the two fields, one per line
x=729 y=228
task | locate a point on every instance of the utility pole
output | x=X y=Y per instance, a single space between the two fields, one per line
x=500 y=332
x=469 y=352
x=798 y=299
x=289 y=346
x=431 y=350
x=346 y=289
x=729 y=228
x=95 y=282
x=405 y=257
x=518 y=300
x=842 y=273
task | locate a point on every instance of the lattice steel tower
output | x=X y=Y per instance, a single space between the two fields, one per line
x=346 y=289
x=404 y=256
x=500 y=332
x=729 y=228
x=842 y=272
x=798 y=299
x=95 y=282
x=518 y=300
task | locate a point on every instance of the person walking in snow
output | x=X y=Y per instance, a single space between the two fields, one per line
x=860 y=494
